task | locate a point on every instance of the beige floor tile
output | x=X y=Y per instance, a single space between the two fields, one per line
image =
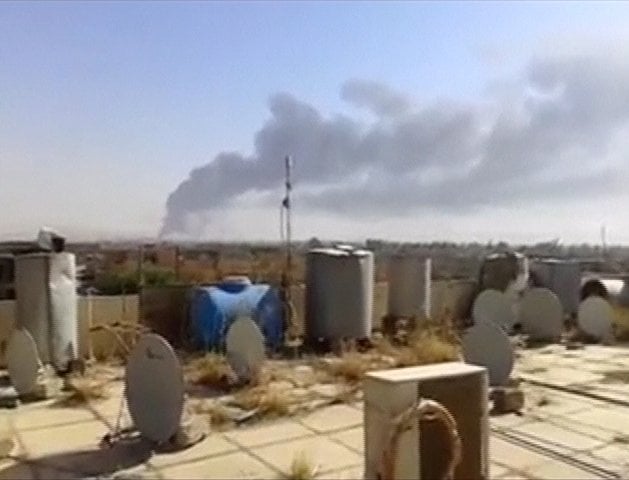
x=67 y=438
x=233 y=465
x=497 y=470
x=213 y=445
x=555 y=470
x=46 y=417
x=335 y=417
x=512 y=455
x=268 y=433
x=319 y=450
x=558 y=438
x=352 y=473
x=353 y=438
x=614 y=419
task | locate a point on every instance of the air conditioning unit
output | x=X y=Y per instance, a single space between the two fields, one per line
x=404 y=438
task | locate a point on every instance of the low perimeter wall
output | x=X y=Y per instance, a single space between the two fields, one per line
x=163 y=310
x=97 y=310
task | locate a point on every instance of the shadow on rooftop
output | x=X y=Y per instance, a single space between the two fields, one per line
x=97 y=462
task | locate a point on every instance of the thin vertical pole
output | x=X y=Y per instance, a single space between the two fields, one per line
x=289 y=253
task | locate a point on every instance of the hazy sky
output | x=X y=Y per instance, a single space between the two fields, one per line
x=410 y=121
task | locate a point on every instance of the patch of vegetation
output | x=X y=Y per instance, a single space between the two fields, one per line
x=210 y=370
x=116 y=283
x=217 y=414
x=621 y=323
x=82 y=391
x=268 y=402
x=302 y=468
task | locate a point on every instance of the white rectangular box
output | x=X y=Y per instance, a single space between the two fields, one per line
x=462 y=389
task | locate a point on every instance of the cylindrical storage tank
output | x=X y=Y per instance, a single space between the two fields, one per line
x=339 y=293
x=409 y=286
x=45 y=290
x=563 y=278
x=213 y=309
x=614 y=289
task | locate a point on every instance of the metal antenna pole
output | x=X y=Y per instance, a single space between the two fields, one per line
x=289 y=253
x=287 y=277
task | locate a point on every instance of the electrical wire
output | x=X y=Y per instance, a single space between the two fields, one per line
x=424 y=409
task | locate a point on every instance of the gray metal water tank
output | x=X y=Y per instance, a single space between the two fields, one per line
x=409 y=279
x=339 y=293
x=45 y=290
x=563 y=278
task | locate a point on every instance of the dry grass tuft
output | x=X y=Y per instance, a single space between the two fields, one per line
x=217 y=414
x=351 y=367
x=83 y=391
x=267 y=401
x=428 y=346
x=210 y=370
x=302 y=468
x=429 y=343
x=621 y=323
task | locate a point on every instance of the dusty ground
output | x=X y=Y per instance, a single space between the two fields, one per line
x=575 y=425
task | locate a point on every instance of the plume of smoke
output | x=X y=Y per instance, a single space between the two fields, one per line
x=442 y=156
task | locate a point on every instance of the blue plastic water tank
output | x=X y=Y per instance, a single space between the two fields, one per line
x=213 y=309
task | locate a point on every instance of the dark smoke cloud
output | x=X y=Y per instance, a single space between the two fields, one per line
x=549 y=143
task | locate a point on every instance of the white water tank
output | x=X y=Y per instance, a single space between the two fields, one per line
x=563 y=278
x=45 y=290
x=339 y=293
x=409 y=286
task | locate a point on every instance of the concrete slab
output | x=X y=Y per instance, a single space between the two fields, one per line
x=56 y=440
x=510 y=420
x=281 y=431
x=612 y=419
x=545 y=401
x=232 y=465
x=553 y=470
x=616 y=454
x=496 y=470
x=569 y=424
x=353 y=438
x=567 y=376
x=352 y=473
x=559 y=439
x=213 y=445
x=320 y=450
x=518 y=458
x=47 y=417
x=335 y=417
x=512 y=475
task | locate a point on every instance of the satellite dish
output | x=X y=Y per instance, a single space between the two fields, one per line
x=487 y=345
x=595 y=317
x=493 y=306
x=245 y=347
x=23 y=361
x=154 y=388
x=541 y=314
